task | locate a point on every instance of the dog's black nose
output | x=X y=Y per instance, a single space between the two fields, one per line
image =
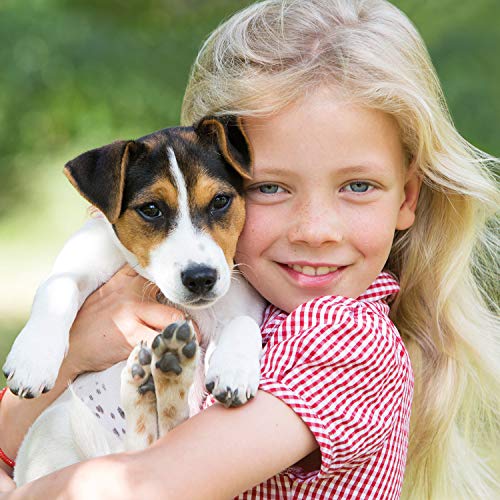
x=199 y=279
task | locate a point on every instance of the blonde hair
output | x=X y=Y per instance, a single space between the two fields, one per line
x=274 y=52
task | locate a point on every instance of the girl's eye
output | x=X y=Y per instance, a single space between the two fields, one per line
x=269 y=188
x=358 y=187
x=220 y=202
x=149 y=211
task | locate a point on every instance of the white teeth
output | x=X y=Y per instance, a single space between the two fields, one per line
x=313 y=271
x=322 y=270
x=308 y=270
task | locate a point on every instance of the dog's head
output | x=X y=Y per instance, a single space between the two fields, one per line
x=175 y=201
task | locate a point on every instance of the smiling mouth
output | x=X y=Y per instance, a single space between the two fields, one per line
x=312 y=271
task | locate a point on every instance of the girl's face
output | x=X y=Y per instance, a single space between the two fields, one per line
x=330 y=187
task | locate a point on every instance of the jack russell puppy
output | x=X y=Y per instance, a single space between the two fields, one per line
x=171 y=205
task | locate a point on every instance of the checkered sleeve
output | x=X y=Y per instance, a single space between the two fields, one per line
x=338 y=365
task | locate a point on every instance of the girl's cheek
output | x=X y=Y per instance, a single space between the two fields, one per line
x=256 y=231
x=257 y=217
x=250 y=229
x=374 y=235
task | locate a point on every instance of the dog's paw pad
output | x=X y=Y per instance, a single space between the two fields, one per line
x=175 y=347
x=139 y=368
x=147 y=386
x=169 y=362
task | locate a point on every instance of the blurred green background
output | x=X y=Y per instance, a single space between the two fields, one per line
x=77 y=74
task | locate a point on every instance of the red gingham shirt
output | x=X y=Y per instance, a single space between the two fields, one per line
x=341 y=365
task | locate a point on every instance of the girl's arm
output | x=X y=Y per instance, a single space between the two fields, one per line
x=110 y=323
x=17 y=415
x=217 y=454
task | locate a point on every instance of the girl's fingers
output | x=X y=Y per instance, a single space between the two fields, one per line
x=142 y=333
x=6 y=483
x=128 y=271
x=158 y=316
x=136 y=284
x=127 y=282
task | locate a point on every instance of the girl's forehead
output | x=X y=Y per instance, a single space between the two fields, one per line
x=323 y=127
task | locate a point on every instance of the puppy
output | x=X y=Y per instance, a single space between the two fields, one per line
x=172 y=207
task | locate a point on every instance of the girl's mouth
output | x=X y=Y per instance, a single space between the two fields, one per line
x=308 y=275
x=313 y=271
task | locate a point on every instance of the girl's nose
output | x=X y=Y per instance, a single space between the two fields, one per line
x=315 y=226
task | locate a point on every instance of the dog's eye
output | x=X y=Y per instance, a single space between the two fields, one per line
x=149 y=211
x=220 y=202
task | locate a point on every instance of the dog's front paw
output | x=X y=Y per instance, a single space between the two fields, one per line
x=138 y=399
x=138 y=370
x=233 y=378
x=175 y=357
x=33 y=363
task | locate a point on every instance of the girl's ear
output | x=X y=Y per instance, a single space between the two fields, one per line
x=413 y=182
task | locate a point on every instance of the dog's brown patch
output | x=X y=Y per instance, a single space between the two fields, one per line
x=226 y=231
x=150 y=439
x=137 y=235
x=205 y=189
x=182 y=394
x=227 y=237
x=162 y=189
x=140 y=426
x=169 y=412
x=165 y=382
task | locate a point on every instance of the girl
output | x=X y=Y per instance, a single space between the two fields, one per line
x=349 y=128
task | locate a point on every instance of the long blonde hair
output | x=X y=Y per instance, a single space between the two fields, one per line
x=275 y=51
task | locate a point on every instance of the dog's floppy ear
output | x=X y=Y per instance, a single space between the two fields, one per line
x=233 y=143
x=99 y=176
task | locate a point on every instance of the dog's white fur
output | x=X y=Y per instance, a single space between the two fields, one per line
x=67 y=431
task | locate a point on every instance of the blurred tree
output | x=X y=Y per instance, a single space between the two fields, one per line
x=464 y=41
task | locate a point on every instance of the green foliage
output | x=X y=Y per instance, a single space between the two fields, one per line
x=464 y=40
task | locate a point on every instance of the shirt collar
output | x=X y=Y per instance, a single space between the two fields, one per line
x=385 y=287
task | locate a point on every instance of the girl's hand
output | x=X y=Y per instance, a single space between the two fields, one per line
x=113 y=320
x=6 y=483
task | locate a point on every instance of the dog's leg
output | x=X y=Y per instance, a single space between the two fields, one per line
x=88 y=259
x=139 y=399
x=232 y=360
x=175 y=358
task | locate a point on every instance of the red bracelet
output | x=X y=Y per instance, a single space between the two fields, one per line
x=3 y=456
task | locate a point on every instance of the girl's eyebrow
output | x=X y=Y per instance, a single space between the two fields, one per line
x=264 y=170
x=360 y=169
